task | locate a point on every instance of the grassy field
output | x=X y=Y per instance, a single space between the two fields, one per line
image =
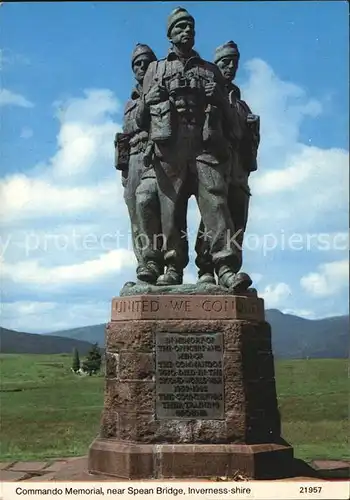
x=47 y=411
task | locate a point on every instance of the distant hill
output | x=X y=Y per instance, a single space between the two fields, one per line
x=93 y=333
x=31 y=343
x=292 y=337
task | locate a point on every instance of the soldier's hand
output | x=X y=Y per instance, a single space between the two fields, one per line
x=156 y=95
x=212 y=91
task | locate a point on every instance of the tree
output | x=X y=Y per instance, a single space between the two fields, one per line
x=92 y=364
x=76 y=360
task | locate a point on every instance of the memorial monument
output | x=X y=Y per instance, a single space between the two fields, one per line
x=190 y=385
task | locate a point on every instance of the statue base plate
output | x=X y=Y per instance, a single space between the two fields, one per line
x=140 y=288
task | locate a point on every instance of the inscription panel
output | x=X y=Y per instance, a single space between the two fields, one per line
x=189 y=376
x=187 y=307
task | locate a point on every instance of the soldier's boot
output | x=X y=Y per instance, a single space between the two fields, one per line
x=237 y=282
x=206 y=278
x=206 y=274
x=172 y=276
x=149 y=272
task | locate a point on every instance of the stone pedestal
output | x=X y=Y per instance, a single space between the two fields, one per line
x=190 y=390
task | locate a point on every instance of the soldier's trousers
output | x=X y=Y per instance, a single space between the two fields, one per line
x=238 y=202
x=136 y=169
x=152 y=239
x=182 y=170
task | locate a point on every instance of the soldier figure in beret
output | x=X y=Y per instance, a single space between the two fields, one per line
x=130 y=146
x=243 y=162
x=191 y=126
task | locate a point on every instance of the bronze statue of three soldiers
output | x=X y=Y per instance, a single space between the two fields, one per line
x=187 y=132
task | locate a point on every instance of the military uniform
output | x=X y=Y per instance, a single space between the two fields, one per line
x=131 y=178
x=134 y=148
x=243 y=162
x=193 y=158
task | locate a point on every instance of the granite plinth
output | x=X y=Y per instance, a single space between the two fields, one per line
x=192 y=376
x=250 y=399
x=142 y=461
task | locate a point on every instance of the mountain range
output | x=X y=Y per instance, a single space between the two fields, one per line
x=292 y=338
x=34 y=343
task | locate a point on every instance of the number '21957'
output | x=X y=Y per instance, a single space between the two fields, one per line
x=310 y=489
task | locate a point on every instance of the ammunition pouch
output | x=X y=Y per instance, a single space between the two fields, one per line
x=138 y=143
x=122 y=151
x=162 y=121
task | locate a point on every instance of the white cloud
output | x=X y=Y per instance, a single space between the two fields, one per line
x=297 y=186
x=80 y=176
x=85 y=139
x=311 y=187
x=24 y=197
x=276 y=296
x=9 y=98
x=302 y=313
x=309 y=167
x=25 y=308
x=331 y=278
x=82 y=146
x=282 y=106
x=44 y=317
x=31 y=272
x=93 y=107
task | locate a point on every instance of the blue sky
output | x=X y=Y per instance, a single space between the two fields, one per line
x=65 y=77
